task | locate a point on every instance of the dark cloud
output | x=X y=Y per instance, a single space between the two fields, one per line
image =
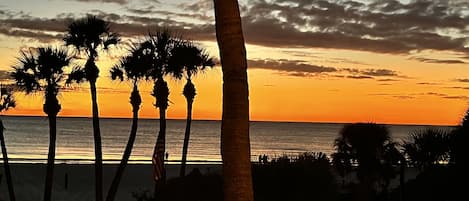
x=359 y=77
x=152 y=10
x=436 y=94
x=383 y=26
x=464 y=88
x=439 y=61
x=387 y=80
x=373 y=72
x=448 y=96
x=301 y=68
x=456 y=97
x=462 y=80
x=293 y=67
x=380 y=26
x=427 y=83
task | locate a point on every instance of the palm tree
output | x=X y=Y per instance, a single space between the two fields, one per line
x=188 y=59
x=235 y=144
x=370 y=146
x=427 y=148
x=88 y=35
x=134 y=68
x=39 y=70
x=158 y=47
x=6 y=102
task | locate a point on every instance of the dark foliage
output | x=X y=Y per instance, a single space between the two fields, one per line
x=304 y=177
x=427 y=148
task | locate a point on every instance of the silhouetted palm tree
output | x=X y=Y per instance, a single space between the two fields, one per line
x=186 y=61
x=88 y=35
x=43 y=70
x=132 y=67
x=235 y=144
x=369 y=145
x=6 y=102
x=428 y=147
x=158 y=47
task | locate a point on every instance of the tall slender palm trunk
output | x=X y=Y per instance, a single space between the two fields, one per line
x=50 y=157
x=235 y=144
x=189 y=93
x=98 y=153
x=6 y=165
x=161 y=135
x=135 y=100
x=187 y=134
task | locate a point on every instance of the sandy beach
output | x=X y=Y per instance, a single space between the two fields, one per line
x=75 y=182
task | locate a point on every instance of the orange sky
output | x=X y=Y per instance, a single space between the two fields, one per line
x=287 y=83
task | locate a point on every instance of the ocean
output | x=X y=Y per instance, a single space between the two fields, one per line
x=27 y=139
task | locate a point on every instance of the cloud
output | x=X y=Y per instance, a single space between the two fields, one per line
x=387 y=80
x=373 y=72
x=359 y=77
x=105 y=1
x=301 y=68
x=447 y=96
x=456 y=97
x=293 y=67
x=198 y=6
x=376 y=26
x=462 y=80
x=439 y=61
x=464 y=88
x=382 y=26
x=427 y=83
x=403 y=97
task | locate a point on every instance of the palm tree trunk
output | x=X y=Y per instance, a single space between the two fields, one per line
x=50 y=157
x=6 y=165
x=235 y=145
x=187 y=134
x=128 y=149
x=161 y=182
x=98 y=153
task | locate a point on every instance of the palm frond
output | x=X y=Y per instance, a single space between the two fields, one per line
x=7 y=100
x=86 y=34
x=117 y=73
x=111 y=39
x=77 y=75
x=25 y=80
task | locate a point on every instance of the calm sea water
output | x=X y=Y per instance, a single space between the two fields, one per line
x=27 y=138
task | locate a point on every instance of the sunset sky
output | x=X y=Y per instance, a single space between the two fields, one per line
x=383 y=61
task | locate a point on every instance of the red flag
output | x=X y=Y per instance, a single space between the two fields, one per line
x=158 y=158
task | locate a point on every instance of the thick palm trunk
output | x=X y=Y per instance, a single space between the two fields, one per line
x=187 y=134
x=50 y=157
x=135 y=101
x=98 y=153
x=6 y=165
x=235 y=145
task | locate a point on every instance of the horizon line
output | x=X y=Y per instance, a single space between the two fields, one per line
x=271 y=121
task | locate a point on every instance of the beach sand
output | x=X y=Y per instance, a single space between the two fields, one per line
x=75 y=182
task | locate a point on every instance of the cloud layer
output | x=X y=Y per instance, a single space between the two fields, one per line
x=385 y=26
